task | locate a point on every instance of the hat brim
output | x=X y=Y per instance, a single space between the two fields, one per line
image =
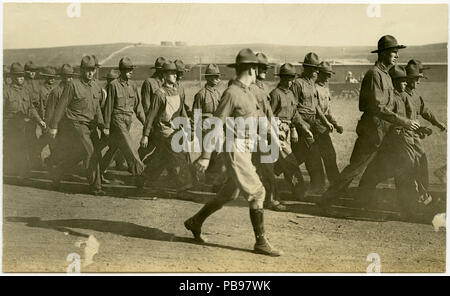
x=328 y=72
x=397 y=46
x=235 y=64
x=127 y=68
x=48 y=75
x=16 y=73
x=217 y=74
x=310 y=65
x=286 y=74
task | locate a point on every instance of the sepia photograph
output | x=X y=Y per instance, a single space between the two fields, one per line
x=200 y=138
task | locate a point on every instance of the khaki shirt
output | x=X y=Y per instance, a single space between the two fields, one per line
x=283 y=103
x=415 y=108
x=304 y=90
x=17 y=102
x=148 y=89
x=52 y=101
x=44 y=92
x=324 y=99
x=33 y=86
x=207 y=100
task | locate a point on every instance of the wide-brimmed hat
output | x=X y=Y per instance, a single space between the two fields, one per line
x=326 y=67
x=169 y=66
x=263 y=59
x=311 y=59
x=245 y=56
x=397 y=72
x=112 y=74
x=287 y=70
x=387 y=42
x=413 y=71
x=97 y=65
x=88 y=62
x=159 y=63
x=49 y=72
x=212 y=69
x=181 y=67
x=420 y=65
x=66 y=70
x=16 y=69
x=30 y=66
x=125 y=63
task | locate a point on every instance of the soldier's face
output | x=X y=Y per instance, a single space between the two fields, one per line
x=390 y=56
x=262 y=72
x=323 y=77
x=170 y=77
x=51 y=81
x=213 y=80
x=18 y=79
x=180 y=75
x=412 y=83
x=400 y=84
x=31 y=74
x=128 y=73
x=88 y=74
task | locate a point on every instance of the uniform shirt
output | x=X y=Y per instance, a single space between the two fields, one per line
x=17 y=102
x=52 y=101
x=283 y=103
x=148 y=89
x=44 y=92
x=324 y=100
x=415 y=107
x=375 y=98
x=80 y=101
x=207 y=99
x=261 y=92
x=237 y=101
x=122 y=99
x=304 y=90
x=33 y=86
x=167 y=104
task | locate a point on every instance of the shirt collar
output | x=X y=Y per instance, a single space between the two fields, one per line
x=16 y=86
x=89 y=83
x=210 y=88
x=283 y=88
x=239 y=84
x=259 y=83
x=123 y=81
x=409 y=91
x=382 y=67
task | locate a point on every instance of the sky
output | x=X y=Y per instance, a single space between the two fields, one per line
x=33 y=25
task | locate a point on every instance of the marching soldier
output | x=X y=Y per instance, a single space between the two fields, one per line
x=207 y=100
x=307 y=149
x=148 y=90
x=326 y=149
x=266 y=170
x=77 y=117
x=181 y=69
x=167 y=104
x=6 y=79
x=284 y=106
x=123 y=100
x=374 y=101
x=18 y=111
x=237 y=101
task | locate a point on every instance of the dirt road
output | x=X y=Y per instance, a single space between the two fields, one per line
x=136 y=234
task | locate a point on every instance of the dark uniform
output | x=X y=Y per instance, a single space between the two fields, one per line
x=77 y=116
x=18 y=111
x=324 y=142
x=284 y=106
x=33 y=86
x=122 y=101
x=167 y=105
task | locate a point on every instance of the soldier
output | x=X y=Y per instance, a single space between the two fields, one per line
x=326 y=149
x=237 y=101
x=66 y=73
x=167 y=104
x=374 y=101
x=33 y=85
x=123 y=100
x=181 y=69
x=265 y=170
x=6 y=78
x=148 y=89
x=207 y=100
x=77 y=117
x=306 y=149
x=110 y=77
x=284 y=106
x=18 y=110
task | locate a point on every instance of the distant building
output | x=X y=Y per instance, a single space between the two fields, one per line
x=166 y=43
x=180 y=43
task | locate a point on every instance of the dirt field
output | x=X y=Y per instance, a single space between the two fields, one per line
x=42 y=227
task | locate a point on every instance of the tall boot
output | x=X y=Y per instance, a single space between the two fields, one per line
x=194 y=224
x=262 y=245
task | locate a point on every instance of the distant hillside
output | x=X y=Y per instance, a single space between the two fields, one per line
x=144 y=54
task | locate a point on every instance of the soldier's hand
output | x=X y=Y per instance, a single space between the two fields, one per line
x=52 y=132
x=144 y=142
x=443 y=128
x=201 y=165
x=340 y=129
x=42 y=124
x=294 y=138
x=413 y=125
x=330 y=127
x=309 y=134
x=106 y=132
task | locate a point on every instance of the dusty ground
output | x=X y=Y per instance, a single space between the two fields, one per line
x=137 y=234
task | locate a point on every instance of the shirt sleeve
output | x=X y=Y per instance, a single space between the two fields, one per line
x=427 y=114
x=50 y=108
x=330 y=116
x=146 y=93
x=297 y=90
x=138 y=109
x=152 y=114
x=66 y=97
x=109 y=104
x=99 y=116
x=274 y=99
x=370 y=100
x=199 y=100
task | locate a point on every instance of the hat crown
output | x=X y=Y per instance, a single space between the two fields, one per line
x=16 y=68
x=326 y=67
x=125 y=63
x=212 y=69
x=412 y=70
x=386 y=42
x=159 y=62
x=48 y=71
x=30 y=66
x=96 y=61
x=287 y=69
x=169 y=66
x=262 y=58
x=397 y=72
x=181 y=67
x=87 y=62
x=246 y=56
x=66 y=69
x=311 y=59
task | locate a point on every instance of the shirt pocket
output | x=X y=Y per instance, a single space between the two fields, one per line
x=79 y=101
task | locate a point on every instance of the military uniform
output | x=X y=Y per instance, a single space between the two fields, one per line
x=326 y=148
x=18 y=111
x=122 y=101
x=33 y=86
x=77 y=116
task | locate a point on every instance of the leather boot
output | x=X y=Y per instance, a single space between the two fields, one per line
x=262 y=245
x=194 y=224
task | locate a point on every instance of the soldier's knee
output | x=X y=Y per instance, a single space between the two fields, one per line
x=257 y=199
